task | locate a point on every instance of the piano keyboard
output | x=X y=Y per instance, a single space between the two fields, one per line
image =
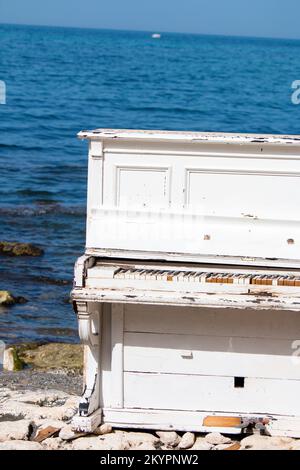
x=207 y=277
x=197 y=285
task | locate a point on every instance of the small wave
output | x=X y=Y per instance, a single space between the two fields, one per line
x=52 y=281
x=155 y=109
x=41 y=208
x=21 y=147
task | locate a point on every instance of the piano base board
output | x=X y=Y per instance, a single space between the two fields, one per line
x=192 y=421
x=87 y=424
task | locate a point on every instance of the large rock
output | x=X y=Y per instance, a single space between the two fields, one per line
x=19 y=249
x=115 y=441
x=11 y=360
x=6 y=298
x=257 y=442
x=39 y=405
x=168 y=438
x=15 y=430
x=54 y=356
x=20 y=445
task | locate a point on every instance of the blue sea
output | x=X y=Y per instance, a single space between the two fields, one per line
x=62 y=80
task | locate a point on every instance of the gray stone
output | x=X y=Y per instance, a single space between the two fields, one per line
x=215 y=438
x=15 y=430
x=187 y=440
x=169 y=438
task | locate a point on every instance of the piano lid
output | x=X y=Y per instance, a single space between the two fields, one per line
x=194 y=197
x=184 y=136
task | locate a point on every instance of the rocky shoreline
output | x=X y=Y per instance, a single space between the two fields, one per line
x=37 y=404
x=41 y=420
x=65 y=357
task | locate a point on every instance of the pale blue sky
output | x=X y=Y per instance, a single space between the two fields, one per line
x=270 y=18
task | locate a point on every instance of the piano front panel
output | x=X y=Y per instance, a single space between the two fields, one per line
x=210 y=394
x=187 y=359
x=217 y=203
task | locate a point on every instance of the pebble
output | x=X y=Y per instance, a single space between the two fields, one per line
x=201 y=444
x=136 y=439
x=168 y=438
x=187 y=440
x=215 y=438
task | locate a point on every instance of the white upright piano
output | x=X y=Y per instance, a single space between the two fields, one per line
x=188 y=293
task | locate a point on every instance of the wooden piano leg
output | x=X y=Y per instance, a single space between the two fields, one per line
x=89 y=412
